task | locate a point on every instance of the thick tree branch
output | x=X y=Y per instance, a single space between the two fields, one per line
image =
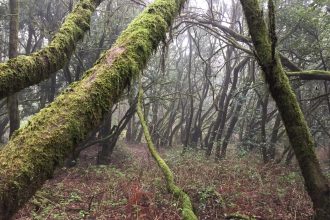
x=23 y=71
x=311 y=75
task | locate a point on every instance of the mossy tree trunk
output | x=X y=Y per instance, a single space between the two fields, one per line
x=24 y=71
x=12 y=100
x=298 y=132
x=186 y=205
x=33 y=152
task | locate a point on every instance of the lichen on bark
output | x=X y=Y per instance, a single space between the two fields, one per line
x=34 y=151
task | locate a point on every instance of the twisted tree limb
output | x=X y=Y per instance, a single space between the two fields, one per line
x=33 y=152
x=187 y=208
x=23 y=71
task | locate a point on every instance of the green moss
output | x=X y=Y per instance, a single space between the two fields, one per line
x=187 y=208
x=25 y=71
x=34 y=151
x=295 y=124
x=311 y=74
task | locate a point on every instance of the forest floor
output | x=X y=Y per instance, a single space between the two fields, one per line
x=132 y=187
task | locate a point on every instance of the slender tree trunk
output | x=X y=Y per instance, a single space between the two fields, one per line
x=190 y=96
x=52 y=88
x=221 y=108
x=3 y=124
x=103 y=156
x=139 y=134
x=250 y=134
x=236 y=70
x=263 y=135
x=176 y=107
x=67 y=73
x=233 y=122
x=274 y=137
x=29 y=40
x=128 y=136
x=198 y=123
x=298 y=132
x=12 y=101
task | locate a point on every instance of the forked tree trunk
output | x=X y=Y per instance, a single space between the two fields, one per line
x=34 y=152
x=233 y=121
x=237 y=69
x=298 y=132
x=221 y=114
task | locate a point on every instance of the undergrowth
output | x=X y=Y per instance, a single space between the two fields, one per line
x=132 y=187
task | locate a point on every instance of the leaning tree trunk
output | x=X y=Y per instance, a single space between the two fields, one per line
x=236 y=70
x=24 y=71
x=34 y=151
x=298 y=132
x=222 y=112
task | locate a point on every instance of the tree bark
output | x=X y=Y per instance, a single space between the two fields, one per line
x=263 y=133
x=298 y=132
x=12 y=101
x=236 y=70
x=24 y=71
x=190 y=112
x=34 y=152
x=311 y=75
x=221 y=114
x=274 y=137
x=185 y=201
x=233 y=121
x=109 y=145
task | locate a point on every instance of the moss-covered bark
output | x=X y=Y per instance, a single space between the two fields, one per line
x=292 y=116
x=23 y=71
x=35 y=150
x=311 y=75
x=186 y=205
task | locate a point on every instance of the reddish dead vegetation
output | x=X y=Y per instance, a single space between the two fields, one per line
x=91 y=192
x=133 y=188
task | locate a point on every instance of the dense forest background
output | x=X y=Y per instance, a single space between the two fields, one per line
x=208 y=108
